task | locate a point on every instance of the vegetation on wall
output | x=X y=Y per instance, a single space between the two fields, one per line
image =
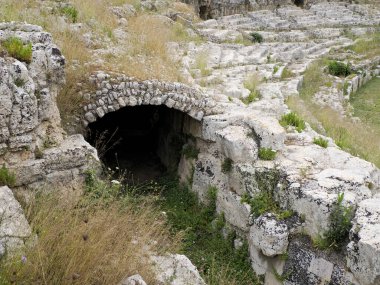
x=340 y=224
x=17 y=49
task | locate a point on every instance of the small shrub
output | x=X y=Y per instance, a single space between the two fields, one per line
x=257 y=38
x=190 y=152
x=275 y=69
x=6 y=177
x=16 y=48
x=267 y=153
x=19 y=82
x=340 y=225
x=227 y=165
x=70 y=12
x=251 y=98
x=321 y=142
x=292 y=119
x=337 y=68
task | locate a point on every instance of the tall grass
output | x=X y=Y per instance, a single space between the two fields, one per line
x=89 y=241
x=348 y=134
x=143 y=54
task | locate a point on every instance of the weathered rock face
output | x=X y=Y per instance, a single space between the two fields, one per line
x=32 y=142
x=364 y=249
x=176 y=269
x=14 y=228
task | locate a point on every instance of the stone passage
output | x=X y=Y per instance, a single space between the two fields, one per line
x=143 y=140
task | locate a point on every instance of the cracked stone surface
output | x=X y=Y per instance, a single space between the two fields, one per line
x=14 y=228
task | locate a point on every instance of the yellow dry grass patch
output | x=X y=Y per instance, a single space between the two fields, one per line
x=99 y=244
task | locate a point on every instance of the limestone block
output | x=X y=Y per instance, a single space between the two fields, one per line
x=269 y=235
x=176 y=269
x=14 y=227
x=236 y=144
x=363 y=256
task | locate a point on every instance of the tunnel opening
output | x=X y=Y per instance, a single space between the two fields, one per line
x=299 y=3
x=145 y=141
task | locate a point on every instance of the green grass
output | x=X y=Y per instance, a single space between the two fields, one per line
x=215 y=257
x=368 y=46
x=321 y=142
x=286 y=73
x=346 y=133
x=366 y=103
x=267 y=153
x=17 y=49
x=7 y=177
x=292 y=119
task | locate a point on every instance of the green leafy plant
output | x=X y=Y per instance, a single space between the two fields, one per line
x=7 y=177
x=256 y=38
x=292 y=119
x=337 y=68
x=267 y=153
x=190 y=151
x=340 y=224
x=321 y=142
x=70 y=12
x=227 y=165
x=17 y=49
x=275 y=69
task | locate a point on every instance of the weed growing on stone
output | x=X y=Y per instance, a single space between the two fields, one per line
x=264 y=202
x=17 y=49
x=215 y=256
x=321 y=142
x=337 y=68
x=7 y=177
x=292 y=119
x=256 y=38
x=267 y=153
x=340 y=224
x=286 y=73
x=227 y=165
x=251 y=83
x=190 y=151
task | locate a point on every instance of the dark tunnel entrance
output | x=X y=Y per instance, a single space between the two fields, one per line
x=299 y=3
x=146 y=141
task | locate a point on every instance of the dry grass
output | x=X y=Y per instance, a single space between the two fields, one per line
x=368 y=46
x=347 y=134
x=144 y=54
x=89 y=244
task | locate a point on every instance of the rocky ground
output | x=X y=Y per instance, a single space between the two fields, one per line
x=236 y=90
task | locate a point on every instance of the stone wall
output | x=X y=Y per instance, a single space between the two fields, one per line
x=32 y=142
x=115 y=92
